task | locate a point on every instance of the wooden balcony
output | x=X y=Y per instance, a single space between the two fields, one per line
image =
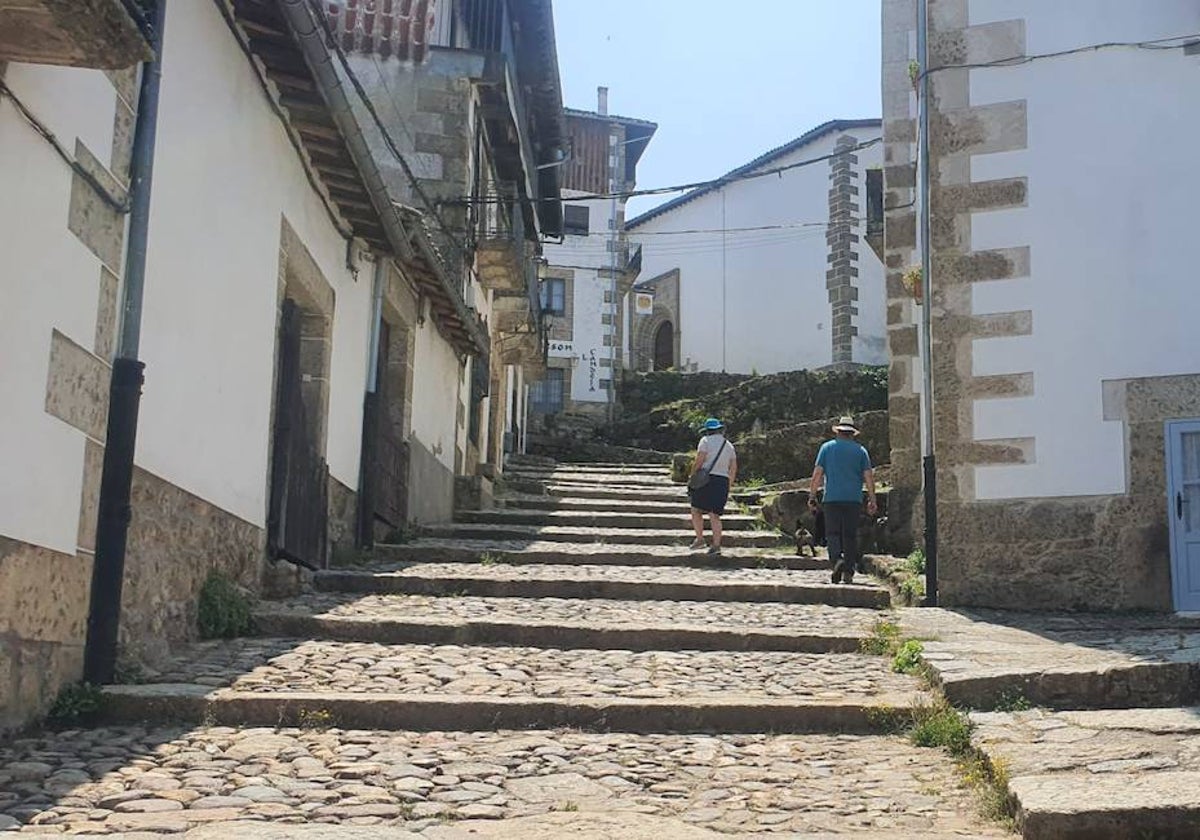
x=102 y=34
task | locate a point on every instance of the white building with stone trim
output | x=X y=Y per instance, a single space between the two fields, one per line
x=769 y=269
x=1066 y=366
x=586 y=281
x=317 y=356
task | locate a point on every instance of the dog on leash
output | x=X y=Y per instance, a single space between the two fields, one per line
x=804 y=538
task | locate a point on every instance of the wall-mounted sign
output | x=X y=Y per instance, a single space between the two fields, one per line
x=643 y=303
x=562 y=348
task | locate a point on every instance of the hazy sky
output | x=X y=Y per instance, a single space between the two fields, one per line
x=725 y=80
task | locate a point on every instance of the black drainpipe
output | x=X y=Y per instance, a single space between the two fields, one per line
x=125 y=389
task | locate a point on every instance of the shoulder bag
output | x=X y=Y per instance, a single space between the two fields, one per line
x=701 y=476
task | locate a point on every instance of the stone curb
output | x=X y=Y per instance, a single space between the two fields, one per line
x=465 y=531
x=227 y=707
x=1133 y=686
x=396 y=584
x=684 y=559
x=555 y=636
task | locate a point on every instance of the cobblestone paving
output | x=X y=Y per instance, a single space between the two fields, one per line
x=801 y=619
x=166 y=780
x=583 y=533
x=635 y=574
x=273 y=665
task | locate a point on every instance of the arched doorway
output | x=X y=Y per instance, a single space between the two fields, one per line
x=664 y=346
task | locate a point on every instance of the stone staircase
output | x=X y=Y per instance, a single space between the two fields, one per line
x=562 y=664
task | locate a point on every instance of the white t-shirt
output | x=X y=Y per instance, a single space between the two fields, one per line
x=709 y=444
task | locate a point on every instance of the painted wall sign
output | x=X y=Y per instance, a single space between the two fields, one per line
x=643 y=303
x=562 y=348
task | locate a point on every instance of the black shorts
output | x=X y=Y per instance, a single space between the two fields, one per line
x=711 y=498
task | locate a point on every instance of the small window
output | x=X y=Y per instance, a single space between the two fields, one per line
x=546 y=396
x=575 y=219
x=554 y=296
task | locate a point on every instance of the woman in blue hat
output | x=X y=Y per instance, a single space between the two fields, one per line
x=708 y=488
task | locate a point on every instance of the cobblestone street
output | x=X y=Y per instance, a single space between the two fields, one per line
x=670 y=699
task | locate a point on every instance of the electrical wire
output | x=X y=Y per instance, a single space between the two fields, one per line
x=1016 y=61
x=696 y=185
x=389 y=141
x=120 y=205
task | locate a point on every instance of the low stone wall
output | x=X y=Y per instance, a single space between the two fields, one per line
x=640 y=392
x=175 y=540
x=789 y=508
x=761 y=403
x=43 y=623
x=790 y=453
x=431 y=494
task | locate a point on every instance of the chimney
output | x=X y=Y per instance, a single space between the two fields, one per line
x=602 y=101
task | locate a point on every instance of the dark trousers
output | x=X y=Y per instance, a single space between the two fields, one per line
x=841 y=527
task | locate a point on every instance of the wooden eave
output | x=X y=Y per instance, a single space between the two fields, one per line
x=310 y=119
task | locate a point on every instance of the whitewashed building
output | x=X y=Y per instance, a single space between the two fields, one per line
x=768 y=269
x=1066 y=366
x=317 y=353
x=587 y=278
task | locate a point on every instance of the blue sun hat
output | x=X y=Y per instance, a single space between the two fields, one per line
x=712 y=424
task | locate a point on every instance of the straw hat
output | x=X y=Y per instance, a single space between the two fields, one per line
x=845 y=424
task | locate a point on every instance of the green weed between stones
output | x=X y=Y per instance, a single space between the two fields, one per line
x=912 y=590
x=1013 y=700
x=224 y=609
x=76 y=705
x=907 y=659
x=488 y=559
x=915 y=563
x=884 y=639
x=939 y=725
x=315 y=719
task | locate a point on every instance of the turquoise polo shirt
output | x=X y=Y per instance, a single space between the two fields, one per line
x=844 y=462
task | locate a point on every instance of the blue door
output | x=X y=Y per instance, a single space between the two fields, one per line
x=1183 y=499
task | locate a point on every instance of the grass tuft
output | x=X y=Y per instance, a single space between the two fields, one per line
x=224 y=609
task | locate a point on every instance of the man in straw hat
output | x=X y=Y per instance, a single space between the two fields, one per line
x=843 y=466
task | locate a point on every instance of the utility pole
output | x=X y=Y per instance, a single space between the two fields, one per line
x=929 y=463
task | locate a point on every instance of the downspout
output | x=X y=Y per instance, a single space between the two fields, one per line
x=371 y=409
x=125 y=389
x=929 y=462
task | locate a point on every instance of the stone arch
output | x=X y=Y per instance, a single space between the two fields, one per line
x=664 y=346
x=644 y=339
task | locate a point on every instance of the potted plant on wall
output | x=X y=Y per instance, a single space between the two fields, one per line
x=913 y=283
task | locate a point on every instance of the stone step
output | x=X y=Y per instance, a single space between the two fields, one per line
x=424 y=786
x=592 y=519
x=646 y=583
x=674 y=493
x=594 y=479
x=583 y=534
x=516 y=552
x=568 y=623
x=612 y=505
x=1072 y=661
x=363 y=685
x=601 y=467
x=1123 y=775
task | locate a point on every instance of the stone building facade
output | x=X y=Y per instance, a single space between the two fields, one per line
x=588 y=275
x=1060 y=355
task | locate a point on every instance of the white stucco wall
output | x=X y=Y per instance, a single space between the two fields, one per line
x=1110 y=222
x=50 y=281
x=436 y=390
x=776 y=307
x=586 y=256
x=225 y=176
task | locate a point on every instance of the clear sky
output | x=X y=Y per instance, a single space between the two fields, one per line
x=725 y=80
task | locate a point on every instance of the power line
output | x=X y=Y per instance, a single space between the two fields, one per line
x=714 y=183
x=332 y=40
x=115 y=203
x=1016 y=61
